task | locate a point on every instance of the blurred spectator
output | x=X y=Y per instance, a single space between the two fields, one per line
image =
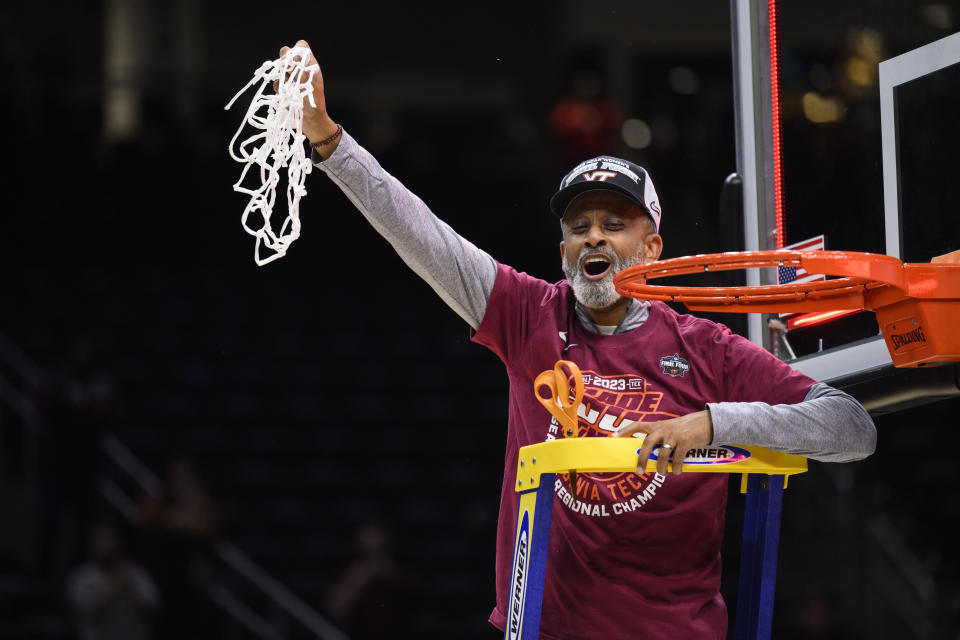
x=112 y=597
x=372 y=597
x=77 y=403
x=178 y=533
x=186 y=507
x=584 y=123
x=858 y=69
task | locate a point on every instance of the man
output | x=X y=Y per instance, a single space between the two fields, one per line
x=113 y=597
x=635 y=555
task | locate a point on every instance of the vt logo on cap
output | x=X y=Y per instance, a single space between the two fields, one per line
x=615 y=174
x=598 y=175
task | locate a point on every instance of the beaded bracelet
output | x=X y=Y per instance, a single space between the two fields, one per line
x=325 y=142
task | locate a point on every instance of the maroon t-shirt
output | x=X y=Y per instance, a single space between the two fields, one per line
x=634 y=555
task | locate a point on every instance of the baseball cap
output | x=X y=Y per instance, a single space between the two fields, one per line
x=611 y=174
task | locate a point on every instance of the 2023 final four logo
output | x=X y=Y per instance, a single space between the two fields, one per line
x=674 y=365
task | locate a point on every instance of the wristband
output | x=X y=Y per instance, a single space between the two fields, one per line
x=326 y=141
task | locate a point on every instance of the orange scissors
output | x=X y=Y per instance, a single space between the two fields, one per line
x=560 y=404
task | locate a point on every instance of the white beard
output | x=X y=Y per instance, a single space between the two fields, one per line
x=597 y=294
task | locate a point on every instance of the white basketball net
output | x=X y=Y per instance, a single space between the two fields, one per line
x=277 y=144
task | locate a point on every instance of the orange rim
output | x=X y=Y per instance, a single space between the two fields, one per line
x=860 y=272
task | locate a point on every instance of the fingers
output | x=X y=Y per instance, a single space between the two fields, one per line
x=631 y=428
x=643 y=455
x=276 y=83
x=663 y=458
x=634 y=428
x=303 y=43
x=658 y=436
x=677 y=456
x=681 y=447
x=300 y=43
x=672 y=438
x=310 y=61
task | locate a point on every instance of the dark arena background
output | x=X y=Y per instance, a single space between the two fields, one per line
x=314 y=448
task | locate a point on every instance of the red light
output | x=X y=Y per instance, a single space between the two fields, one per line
x=819 y=317
x=775 y=113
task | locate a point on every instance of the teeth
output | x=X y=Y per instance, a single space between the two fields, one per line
x=596 y=259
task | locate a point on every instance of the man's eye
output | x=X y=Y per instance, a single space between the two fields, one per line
x=614 y=226
x=579 y=229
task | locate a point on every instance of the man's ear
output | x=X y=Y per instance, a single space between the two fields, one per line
x=563 y=251
x=652 y=247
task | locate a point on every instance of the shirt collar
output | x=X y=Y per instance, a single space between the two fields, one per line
x=637 y=313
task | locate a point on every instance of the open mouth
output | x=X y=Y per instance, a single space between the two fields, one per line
x=596 y=266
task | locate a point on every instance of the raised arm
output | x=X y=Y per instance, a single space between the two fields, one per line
x=458 y=271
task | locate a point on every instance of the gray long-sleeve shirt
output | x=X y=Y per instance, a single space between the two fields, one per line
x=828 y=425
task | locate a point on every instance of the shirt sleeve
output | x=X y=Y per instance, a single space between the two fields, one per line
x=514 y=310
x=774 y=406
x=458 y=271
x=828 y=425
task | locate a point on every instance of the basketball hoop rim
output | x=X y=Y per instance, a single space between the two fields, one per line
x=858 y=273
x=916 y=304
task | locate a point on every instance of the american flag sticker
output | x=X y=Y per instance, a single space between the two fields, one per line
x=799 y=274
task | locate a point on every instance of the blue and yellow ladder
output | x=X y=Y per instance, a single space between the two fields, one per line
x=765 y=474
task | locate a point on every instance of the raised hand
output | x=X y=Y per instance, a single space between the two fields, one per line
x=317 y=124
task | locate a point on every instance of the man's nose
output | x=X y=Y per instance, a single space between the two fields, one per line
x=595 y=236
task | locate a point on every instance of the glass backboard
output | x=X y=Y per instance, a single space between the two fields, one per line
x=862 y=179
